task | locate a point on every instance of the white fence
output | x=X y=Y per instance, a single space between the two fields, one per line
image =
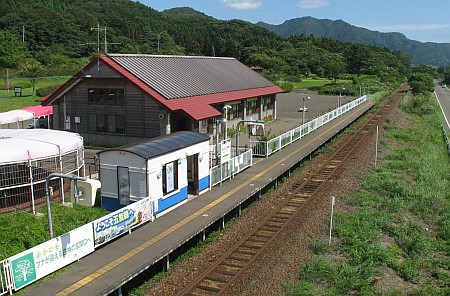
x=226 y=170
x=5 y=282
x=266 y=148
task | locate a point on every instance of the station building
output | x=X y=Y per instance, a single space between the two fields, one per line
x=118 y=99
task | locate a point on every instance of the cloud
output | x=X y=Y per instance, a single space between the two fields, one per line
x=243 y=4
x=409 y=27
x=311 y=4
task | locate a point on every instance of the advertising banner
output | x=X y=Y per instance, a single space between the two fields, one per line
x=121 y=221
x=37 y=262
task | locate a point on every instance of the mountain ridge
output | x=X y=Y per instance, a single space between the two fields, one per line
x=436 y=54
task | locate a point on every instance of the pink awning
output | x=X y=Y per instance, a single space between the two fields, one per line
x=39 y=110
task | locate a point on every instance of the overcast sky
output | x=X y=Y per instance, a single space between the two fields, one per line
x=425 y=21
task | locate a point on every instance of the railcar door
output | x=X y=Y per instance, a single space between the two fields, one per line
x=192 y=174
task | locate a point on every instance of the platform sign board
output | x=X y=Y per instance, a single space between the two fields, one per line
x=225 y=151
x=37 y=262
x=119 y=222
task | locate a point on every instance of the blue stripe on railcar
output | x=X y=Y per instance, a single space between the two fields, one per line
x=164 y=204
x=203 y=183
x=110 y=203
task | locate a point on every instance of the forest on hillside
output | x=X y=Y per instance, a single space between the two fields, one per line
x=63 y=34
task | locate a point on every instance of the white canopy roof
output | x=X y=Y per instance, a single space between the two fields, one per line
x=15 y=116
x=21 y=145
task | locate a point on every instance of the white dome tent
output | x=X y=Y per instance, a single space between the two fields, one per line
x=28 y=156
x=16 y=118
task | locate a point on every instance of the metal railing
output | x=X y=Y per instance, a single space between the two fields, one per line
x=5 y=283
x=227 y=170
x=266 y=148
x=446 y=140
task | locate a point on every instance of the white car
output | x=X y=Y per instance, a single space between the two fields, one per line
x=301 y=109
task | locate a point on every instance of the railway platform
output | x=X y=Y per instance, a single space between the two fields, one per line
x=106 y=270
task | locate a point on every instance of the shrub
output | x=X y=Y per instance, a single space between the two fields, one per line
x=22 y=84
x=287 y=86
x=45 y=91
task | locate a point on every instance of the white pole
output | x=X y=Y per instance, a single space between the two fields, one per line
x=376 y=147
x=32 y=187
x=106 y=44
x=332 y=201
x=303 y=113
x=7 y=80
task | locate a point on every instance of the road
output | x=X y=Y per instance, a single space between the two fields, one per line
x=443 y=97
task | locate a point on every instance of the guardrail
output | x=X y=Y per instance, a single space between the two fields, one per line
x=266 y=148
x=446 y=140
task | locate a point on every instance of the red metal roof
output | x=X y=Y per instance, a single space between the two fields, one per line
x=39 y=110
x=197 y=107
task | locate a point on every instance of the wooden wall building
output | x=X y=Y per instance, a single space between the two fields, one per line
x=120 y=99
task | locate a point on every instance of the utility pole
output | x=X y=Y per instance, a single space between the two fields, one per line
x=7 y=79
x=98 y=29
x=98 y=36
x=105 y=42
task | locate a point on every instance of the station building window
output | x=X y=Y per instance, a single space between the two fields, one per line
x=236 y=111
x=107 y=123
x=205 y=126
x=170 y=177
x=252 y=106
x=106 y=96
x=267 y=102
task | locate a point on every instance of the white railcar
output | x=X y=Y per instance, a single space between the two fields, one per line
x=167 y=169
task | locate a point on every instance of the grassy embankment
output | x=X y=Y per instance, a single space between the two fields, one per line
x=21 y=230
x=9 y=101
x=393 y=236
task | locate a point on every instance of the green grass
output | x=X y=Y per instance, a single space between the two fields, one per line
x=399 y=223
x=9 y=101
x=22 y=230
x=311 y=83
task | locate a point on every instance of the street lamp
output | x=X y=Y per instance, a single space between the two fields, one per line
x=340 y=96
x=47 y=193
x=304 y=108
x=237 y=128
x=225 y=120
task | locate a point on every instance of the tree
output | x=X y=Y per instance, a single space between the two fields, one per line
x=12 y=50
x=335 y=66
x=420 y=83
x=447 y=78
x=32 y=70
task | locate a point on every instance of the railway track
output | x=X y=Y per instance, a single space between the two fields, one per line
x=221 y=274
